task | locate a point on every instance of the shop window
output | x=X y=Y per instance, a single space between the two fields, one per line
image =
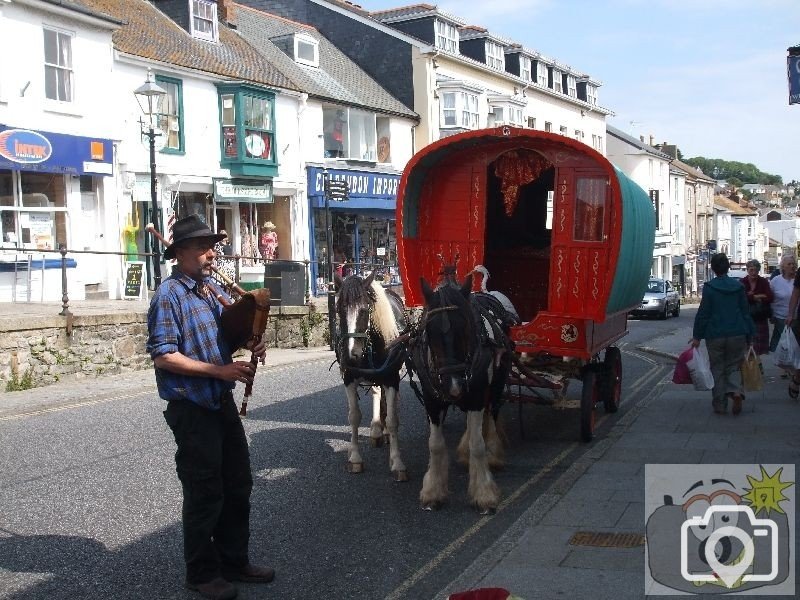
x=590 y=207
x=247 y=118
x=58 y=74
x=350 y=133
x=37 y=217
x=170 y=117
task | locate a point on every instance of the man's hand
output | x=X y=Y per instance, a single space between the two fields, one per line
x=240 y=371
x=259 y=350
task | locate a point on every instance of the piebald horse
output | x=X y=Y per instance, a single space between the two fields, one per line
x=370 y=321
x=462 y=356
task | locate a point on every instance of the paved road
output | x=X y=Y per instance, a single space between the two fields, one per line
x=91 y=503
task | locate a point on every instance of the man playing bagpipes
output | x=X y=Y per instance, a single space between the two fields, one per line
x=195 y=374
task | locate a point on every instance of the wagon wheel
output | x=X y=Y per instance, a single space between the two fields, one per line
x=611 y=382
x=588 y=401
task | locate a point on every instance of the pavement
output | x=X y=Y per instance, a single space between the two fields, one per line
x=602 y=492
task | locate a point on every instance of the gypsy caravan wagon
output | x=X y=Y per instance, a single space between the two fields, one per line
x=564 y=234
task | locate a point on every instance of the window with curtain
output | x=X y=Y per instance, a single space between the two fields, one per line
x=204 y=20
x=590 y=207
x=258 y=127
x=449 y=109
x=469 y=110
x=170 y=116
x=58 y=74
x=446 y=37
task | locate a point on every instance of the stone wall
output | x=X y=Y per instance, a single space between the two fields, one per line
x=39 y=351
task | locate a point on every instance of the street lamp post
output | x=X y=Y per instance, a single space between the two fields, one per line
x=149 y=96
x=334 y=190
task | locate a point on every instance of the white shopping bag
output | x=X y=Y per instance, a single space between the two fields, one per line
x=787 y=354
x=700 y=369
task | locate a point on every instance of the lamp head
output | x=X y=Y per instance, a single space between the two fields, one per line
x=149 y=95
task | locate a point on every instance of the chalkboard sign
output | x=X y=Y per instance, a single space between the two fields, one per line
x=133 y=279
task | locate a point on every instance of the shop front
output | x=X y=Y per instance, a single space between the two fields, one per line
x=51 y=190
x=362 y=227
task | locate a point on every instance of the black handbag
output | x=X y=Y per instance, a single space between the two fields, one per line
x=760 y=311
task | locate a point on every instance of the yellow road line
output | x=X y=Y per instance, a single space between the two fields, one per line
x=462 y=539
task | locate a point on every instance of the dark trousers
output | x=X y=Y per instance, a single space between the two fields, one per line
x=213 y=464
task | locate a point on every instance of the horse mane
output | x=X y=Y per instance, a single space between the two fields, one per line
x=352 y=292
x=382 y=315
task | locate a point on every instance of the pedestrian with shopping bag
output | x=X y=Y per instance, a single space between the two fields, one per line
x=723 y=321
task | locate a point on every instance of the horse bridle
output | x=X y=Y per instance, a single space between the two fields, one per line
x=367 y=350
x=456 y=368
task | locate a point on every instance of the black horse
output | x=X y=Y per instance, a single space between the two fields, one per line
x=370 y=350
x=462 y=355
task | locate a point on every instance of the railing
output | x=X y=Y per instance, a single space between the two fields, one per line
x=387 y=273
x=287 y=280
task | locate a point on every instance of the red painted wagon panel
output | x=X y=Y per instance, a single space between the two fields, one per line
x=542 y=212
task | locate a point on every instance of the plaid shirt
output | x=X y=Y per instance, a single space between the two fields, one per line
x=181 y=320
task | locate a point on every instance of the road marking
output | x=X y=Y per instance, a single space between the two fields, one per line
x=72 y=405
x=462 y=539
x=451 y=548
x=52 y=409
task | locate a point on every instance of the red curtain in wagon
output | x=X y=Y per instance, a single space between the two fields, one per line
x=590 y=209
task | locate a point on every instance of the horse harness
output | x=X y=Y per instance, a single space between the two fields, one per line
x=474 y=362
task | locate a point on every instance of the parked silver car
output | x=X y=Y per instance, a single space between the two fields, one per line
x=660 y=300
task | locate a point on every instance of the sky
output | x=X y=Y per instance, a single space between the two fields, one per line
x=706 y=75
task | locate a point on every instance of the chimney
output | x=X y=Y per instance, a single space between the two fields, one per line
x=641 y=138
x=226 y=13
x=652 y=139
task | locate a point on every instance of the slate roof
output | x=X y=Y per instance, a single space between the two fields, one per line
x=693 y=171
x=414 y=11
x=337 y=78
x=150 y=34
x=637 y=143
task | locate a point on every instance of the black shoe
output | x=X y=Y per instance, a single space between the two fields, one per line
x=216 y=589
x=249 y=574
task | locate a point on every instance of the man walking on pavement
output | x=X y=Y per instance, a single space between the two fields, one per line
x=196 y=374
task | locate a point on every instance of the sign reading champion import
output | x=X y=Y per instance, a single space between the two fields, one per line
x=28 y=150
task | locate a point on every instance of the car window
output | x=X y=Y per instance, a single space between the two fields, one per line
x=669 y=286
x=655 y=286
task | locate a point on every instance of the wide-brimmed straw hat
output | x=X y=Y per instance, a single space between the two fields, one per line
x=189 y=228
x=268 y=225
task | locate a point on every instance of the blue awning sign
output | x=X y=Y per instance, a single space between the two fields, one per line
x=42 y=151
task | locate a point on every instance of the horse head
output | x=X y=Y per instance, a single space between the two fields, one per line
x=355 y=304
x=448 y=325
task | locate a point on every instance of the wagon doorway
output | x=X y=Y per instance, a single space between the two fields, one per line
x=519 y=215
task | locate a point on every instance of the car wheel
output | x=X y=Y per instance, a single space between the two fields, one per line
x=664 y=313
x=677 y=310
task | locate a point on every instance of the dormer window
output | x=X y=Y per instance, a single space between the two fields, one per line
x=572 y=88
x=495 y=57
x=555 y=80
x=541 y=74
x=446 y=37
x=591 y=95
x=525 y=68
x=204 y=19
x=306 y=50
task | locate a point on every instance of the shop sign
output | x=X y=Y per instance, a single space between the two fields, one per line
x=28 y=150
x=360 y=184
x=241 y=190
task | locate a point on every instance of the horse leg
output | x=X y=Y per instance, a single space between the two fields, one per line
x=376 y=426
x=482 y=489
x=462 y=450
x=396 y=465
x=492 y=435
x=434 y=484
x=355 y=463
